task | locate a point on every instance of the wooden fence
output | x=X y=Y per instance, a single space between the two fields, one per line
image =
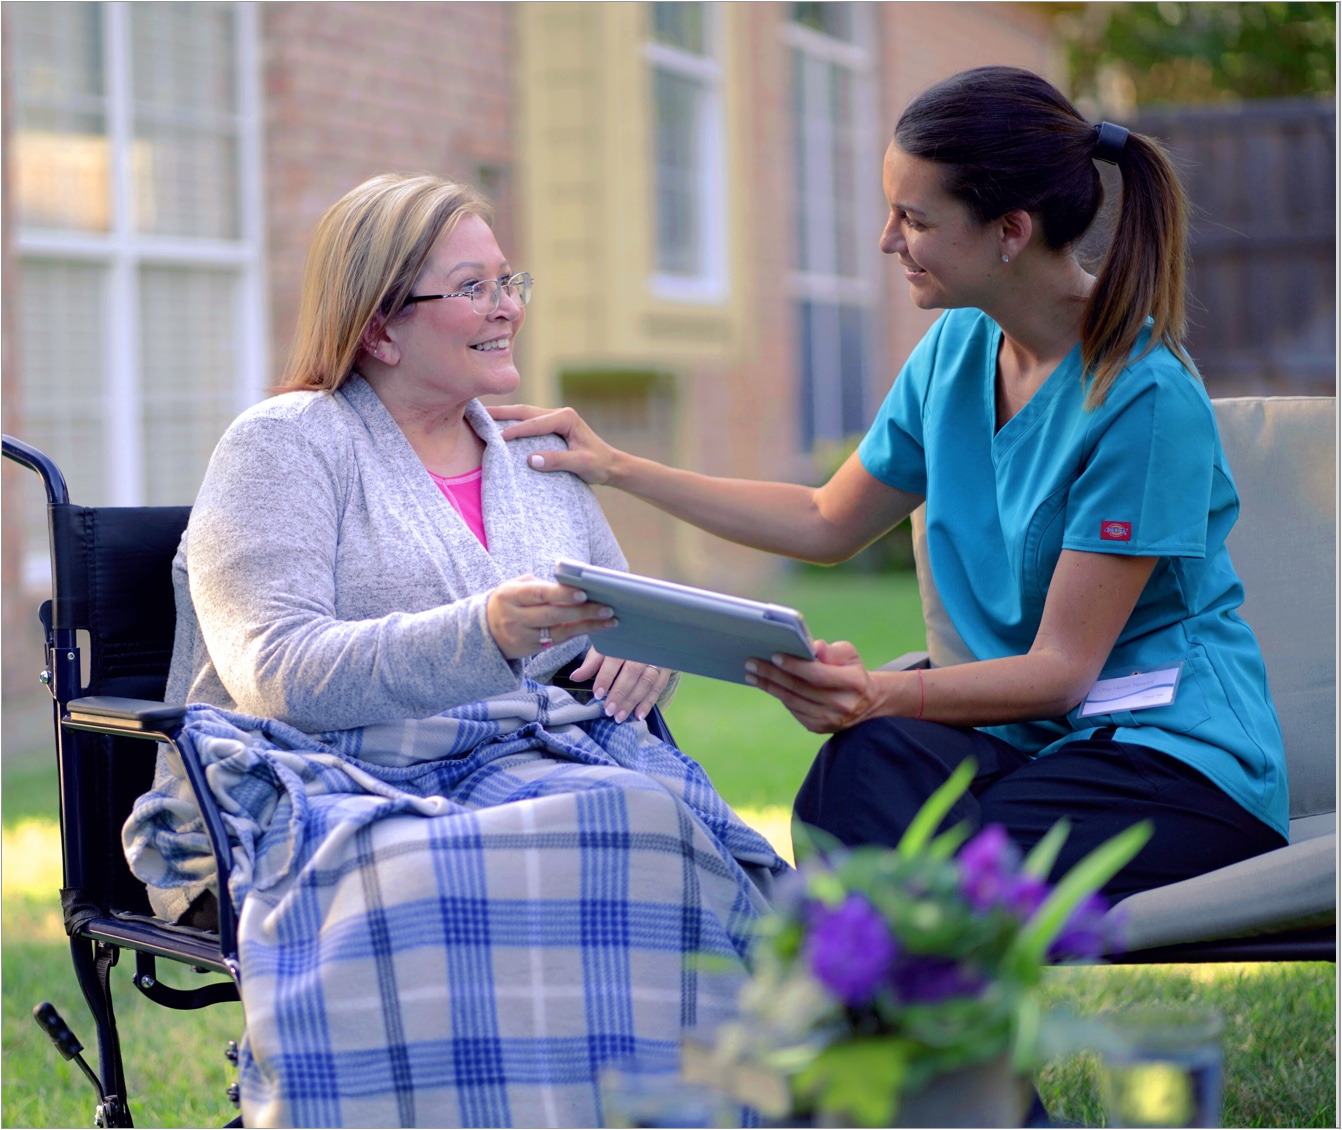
x=1263 y=183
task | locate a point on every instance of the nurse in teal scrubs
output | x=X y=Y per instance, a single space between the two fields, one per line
x=1078 y=502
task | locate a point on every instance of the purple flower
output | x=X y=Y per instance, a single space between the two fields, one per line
x=1027 y=895
x=927 y=980
x=1087 y=934
x=850 y=949
x=988 y=868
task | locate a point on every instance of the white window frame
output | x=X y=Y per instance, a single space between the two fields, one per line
x=863 y=289
x=822 y=286
x=711 y=285
x=123 y=251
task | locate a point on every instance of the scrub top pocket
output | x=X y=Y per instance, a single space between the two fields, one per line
x=1189 y=709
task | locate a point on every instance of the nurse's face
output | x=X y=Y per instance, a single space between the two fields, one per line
x=949 y=258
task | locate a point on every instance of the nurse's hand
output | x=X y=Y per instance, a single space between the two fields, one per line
x=625 y=686
x=831 y=693
x=588 y=456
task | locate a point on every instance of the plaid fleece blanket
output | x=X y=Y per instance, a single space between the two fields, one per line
x=458 y=920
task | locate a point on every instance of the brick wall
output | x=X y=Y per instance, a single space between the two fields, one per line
x=741 y=420
x=355 y=89
x=922 y=43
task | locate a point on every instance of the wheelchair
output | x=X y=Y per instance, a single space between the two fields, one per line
x=111 y=577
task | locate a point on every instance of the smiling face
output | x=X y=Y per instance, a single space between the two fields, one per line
x=445 y=350
x=949 y=258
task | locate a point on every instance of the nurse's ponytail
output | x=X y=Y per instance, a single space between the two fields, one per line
x=1143 y=271
x=1006 y=139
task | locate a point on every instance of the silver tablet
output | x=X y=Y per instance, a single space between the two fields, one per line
x=684 y=628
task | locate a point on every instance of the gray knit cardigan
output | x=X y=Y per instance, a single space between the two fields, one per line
x=325 y=581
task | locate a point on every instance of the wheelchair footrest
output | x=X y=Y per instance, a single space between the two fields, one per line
x=146 y=980
x=217 y=992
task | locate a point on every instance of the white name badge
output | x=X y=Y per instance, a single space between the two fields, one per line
x=1138 y=691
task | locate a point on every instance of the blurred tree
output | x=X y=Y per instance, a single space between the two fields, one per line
x=1126 y=56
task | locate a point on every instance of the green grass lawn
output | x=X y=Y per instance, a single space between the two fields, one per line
x=1280 y=1018
x=1280 y=1043
x=755 y=752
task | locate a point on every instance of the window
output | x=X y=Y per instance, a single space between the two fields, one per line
x=688 y=204
x=833 y=283
x=137 y=199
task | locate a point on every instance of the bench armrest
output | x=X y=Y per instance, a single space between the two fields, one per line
x=1291 y=888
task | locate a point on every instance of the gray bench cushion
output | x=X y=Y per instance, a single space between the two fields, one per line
x=1292 y=888
x=1282 y=453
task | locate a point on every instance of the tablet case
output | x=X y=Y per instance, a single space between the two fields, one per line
x=683 y=628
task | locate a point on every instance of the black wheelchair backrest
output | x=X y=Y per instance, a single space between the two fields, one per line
x=111 y=577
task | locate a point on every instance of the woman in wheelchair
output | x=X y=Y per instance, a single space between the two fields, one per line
x=462 y=888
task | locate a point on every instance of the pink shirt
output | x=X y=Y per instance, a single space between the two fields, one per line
x=463 y=492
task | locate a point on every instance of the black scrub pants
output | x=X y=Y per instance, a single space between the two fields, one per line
x=867 y=783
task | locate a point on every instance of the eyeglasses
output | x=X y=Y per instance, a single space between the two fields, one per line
x=486 y=296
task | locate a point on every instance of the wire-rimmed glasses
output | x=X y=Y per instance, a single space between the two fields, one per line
x=485 y=296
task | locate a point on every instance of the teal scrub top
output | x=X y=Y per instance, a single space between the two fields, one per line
x=1142 y=475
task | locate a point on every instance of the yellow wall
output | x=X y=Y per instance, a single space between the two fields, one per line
x=585 y=180
x=586 y=183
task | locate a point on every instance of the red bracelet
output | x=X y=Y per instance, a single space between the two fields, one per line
x=922 y=693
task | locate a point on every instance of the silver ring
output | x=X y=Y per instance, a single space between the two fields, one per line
x=546 y=641
x=654 y=667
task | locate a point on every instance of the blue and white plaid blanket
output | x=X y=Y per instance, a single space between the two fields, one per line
x=459 y=920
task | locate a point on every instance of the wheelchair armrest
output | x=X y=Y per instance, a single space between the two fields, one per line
x=909 y=661
x=131 y=717
x=159 y=721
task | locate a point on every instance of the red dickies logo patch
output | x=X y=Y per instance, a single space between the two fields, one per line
x=1115 y=531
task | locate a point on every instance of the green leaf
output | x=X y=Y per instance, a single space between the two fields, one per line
x=1025 y=1034
x=787 y=939
x=858 y=1079
x=712 y=963
x=1044 y=854
x=948 y=843
x=827 y=887
x=1027 y=952
x=935 y=808
x=809 y=842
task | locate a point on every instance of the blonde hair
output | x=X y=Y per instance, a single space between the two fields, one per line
x=366 y=254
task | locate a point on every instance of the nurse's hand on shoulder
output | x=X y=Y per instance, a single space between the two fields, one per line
x=831 y=693
x=588 y=455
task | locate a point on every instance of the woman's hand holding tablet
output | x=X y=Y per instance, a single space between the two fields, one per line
x=687 y=629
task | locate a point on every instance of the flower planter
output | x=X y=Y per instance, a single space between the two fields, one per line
x=984 y=1094
x=879 y=967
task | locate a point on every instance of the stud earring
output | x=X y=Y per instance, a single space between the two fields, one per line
x=1005 y=259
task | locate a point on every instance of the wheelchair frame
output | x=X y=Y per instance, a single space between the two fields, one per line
x=93 y=733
